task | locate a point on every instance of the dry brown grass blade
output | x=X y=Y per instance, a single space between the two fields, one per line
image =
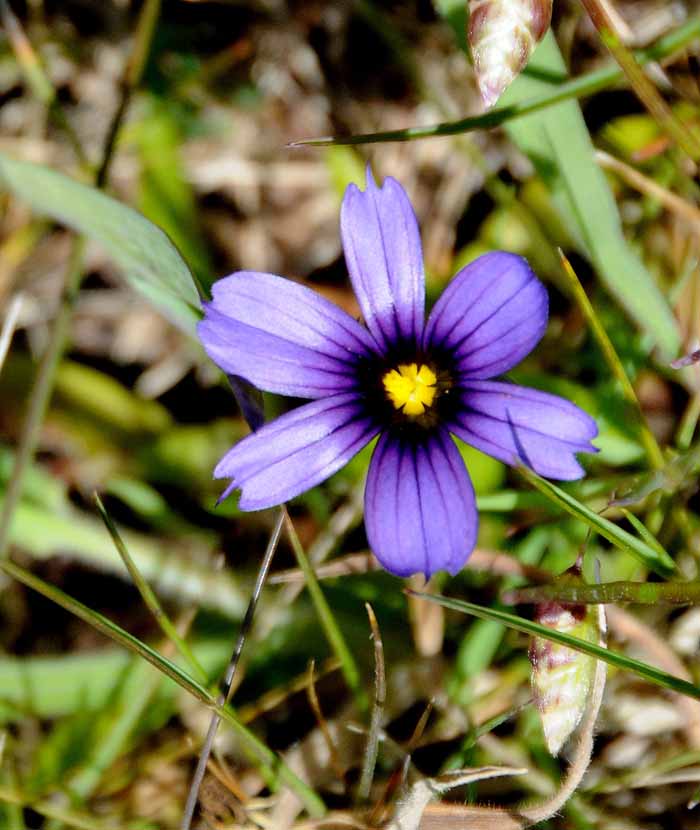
x=427 y=620
x=323 y=723
x=671 y=201
x=648 y=94
x=398 y=778
x=628 y=627
x=370 y=759
x=410 y=811
x=494 y=562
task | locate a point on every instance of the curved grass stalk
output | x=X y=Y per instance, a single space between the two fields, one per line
x=587 y=84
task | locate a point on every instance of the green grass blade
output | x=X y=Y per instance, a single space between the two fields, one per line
x=560 y=147
x=643 y=531
x=108 y=628
x=55 y=686
x=149 y=596
x=654 y=558
x=330 y=626
x=276 y=768
x=654 y=454
x=613 y=658
x=44 y=530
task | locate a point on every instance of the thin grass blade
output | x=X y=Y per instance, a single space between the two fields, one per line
x=613 y=658
x=657 y=559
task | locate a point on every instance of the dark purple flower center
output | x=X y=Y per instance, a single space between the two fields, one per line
x=382 y=393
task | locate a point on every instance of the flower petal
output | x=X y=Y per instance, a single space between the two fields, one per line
x=492 y=314
x=384 y=257
x=420 y=508
x=282 y=337
x=296 y=451
x=519 y=425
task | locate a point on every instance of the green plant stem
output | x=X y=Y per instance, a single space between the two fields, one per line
x=643 y=87
x=644 y=593
x=587 y=84
x=145 y=29
x=689 y=422
x=653 y=451
x=325 y=615
x=136 y=65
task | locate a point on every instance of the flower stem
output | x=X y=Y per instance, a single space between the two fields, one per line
x=325 y=615
x=227 y=683
x=587 y=84
x=642 y=593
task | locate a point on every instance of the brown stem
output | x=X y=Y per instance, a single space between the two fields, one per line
x=644 y=88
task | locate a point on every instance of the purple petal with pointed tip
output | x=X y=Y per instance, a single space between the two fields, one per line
x=384 y=257
x=490 y=316
x=519 y=425
x=282 y=337
x=420 y=509
x=296 y=451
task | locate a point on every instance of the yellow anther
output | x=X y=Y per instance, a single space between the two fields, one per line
x=411 y=388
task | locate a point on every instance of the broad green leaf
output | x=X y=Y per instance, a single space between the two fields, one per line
x=149 y=260
x=44 y=532
x=613 y=658
x=557 y=141
x=166 y=196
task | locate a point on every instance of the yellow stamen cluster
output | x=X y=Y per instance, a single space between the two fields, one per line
x=411 y=388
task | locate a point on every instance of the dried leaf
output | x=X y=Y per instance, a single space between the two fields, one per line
x=410 y=809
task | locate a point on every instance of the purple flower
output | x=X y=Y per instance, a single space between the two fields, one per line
x=410 y=382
